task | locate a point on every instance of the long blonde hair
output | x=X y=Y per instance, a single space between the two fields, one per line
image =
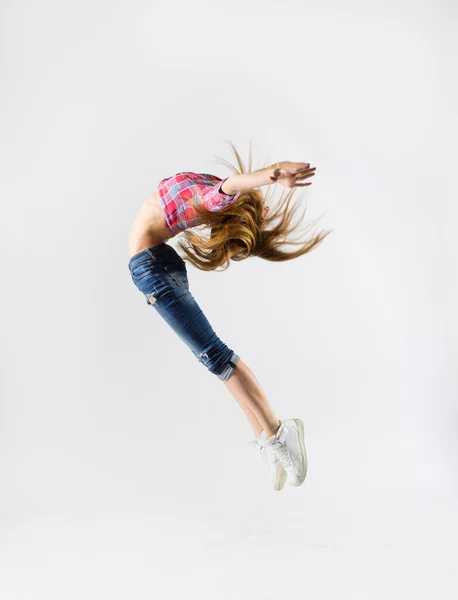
x=241 y=230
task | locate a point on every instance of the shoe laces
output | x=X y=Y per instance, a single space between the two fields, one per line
x=262 y=450
x=282 y=453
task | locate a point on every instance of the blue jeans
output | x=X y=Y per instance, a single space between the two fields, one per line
x=160 y=274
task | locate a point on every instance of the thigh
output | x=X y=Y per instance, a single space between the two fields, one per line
x=166 y=289
x=178 y=307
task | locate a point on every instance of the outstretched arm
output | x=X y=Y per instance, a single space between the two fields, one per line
x=285 y=173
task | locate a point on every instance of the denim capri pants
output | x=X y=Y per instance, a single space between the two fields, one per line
x=160 y=274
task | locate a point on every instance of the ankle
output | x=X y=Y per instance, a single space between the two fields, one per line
x=273 y=430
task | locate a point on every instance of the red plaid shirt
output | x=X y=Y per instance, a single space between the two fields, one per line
x=175 y=194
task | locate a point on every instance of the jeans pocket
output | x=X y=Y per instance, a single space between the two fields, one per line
x=142 y=275
x=142 y=269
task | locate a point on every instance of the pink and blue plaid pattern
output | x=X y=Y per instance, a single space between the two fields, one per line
x=176 y=192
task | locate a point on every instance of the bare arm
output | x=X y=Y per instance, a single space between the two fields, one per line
x=285 y=173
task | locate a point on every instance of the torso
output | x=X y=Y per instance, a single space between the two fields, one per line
x=149 y=227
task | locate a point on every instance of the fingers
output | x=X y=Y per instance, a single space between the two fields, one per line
x=289 y=173
x=300 y=169
x=295 y=169
x=305 y=174
x=297 y=165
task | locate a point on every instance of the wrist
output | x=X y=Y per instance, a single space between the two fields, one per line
x=264 y=176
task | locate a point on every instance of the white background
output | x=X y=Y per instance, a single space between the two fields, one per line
x=125 y=465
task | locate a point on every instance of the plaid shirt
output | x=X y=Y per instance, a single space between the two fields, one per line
x=175 y=194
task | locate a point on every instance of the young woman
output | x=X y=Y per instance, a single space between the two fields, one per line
x=240 y=224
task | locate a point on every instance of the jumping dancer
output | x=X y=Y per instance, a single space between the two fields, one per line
x=240 y=224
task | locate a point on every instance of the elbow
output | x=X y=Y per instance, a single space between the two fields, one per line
x=228 y=187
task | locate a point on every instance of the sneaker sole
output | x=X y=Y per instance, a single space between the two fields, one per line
x=300 y=429
x=281 y=484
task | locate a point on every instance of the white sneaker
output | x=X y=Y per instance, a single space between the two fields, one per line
x=288 y=445
x=278 y=474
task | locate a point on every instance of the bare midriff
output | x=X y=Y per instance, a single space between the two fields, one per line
x=149 y=228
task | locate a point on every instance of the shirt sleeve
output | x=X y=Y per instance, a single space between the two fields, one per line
x=215 y=199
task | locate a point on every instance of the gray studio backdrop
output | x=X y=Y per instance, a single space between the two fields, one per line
x=125 y=465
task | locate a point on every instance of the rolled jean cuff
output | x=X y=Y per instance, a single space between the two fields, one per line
x=227 y=371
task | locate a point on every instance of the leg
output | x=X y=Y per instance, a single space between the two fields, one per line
x=185 y=316
x=166 y=288
x=245 y=388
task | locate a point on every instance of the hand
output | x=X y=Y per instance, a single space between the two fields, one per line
x=289 y=173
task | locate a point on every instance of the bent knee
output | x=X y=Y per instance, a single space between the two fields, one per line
x=229 y=367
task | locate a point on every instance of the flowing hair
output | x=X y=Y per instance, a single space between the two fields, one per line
x=241 y=230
